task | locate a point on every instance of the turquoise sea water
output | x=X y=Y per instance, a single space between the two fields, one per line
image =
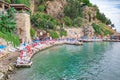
x=92 y=61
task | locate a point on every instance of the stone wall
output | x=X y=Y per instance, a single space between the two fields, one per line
x=23 y=26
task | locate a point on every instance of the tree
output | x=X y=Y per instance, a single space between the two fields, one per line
x=11 y=13
x=73 y=9
x=103 y=18
x=41 y=20
x=68 y=21
x=8 y=1
x=87 y=2
x=26 y=2
x=112 y=25
x=78 y=22
x=7 y=22
x=7 y=26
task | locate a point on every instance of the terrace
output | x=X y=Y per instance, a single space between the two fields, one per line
x=3 y=7
x=19 y=7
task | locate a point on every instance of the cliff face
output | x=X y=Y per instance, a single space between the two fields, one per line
x=55 y=8
x=89 y=13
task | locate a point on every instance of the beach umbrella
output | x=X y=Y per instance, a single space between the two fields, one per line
x=36 y=40
x=22 y=47
x=2 y=46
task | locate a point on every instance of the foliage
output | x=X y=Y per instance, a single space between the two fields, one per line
x=41 y=20
x=54 y=34
x=41 y=8
x=78 y=22
x=32 y=32
x=87 y=2
x=8 y=1
x=112 y=25
x=26 y=2
x=100 y=29
x=9 y=37
x=11 y=13
x=7 y=22
x=38 y=2
x=102 y=18
x=7 y=26
x=73 y=9
x=63 y=33
x=68 y=21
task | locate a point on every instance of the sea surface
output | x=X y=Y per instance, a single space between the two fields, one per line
x=111 y=8
x=92 y=61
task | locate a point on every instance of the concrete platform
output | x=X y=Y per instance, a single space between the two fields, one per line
x=24 y=65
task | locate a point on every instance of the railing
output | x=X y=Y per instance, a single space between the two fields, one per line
x=23 y=12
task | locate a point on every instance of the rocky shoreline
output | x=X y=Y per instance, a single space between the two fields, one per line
x=7 y=65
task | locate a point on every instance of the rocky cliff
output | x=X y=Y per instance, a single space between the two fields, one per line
x=56 y=8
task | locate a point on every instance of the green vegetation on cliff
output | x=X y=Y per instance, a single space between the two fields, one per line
x=7 y=26
x=26 y=2
x=74 y=16
x=73 y=9
x=76 y=13
x=43 y=21
x=102 y=18
x=54 y=34
x=101 y=29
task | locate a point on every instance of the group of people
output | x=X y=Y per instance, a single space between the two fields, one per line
x=27 y=50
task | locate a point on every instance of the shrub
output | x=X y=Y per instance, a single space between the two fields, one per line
x=41 y=8
x=7 y=22
x=97 y=28
x=87 y=2
x=41 y=20
x=7 y=26
x=101 y=29
x=63 y=33
x=67 y=21
x=32 y=32
x=73 y=9
x=102 y=18
x=8 y=1
x=78 y=22
x=9 y=37
x=54 y=34
x=26 y=2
